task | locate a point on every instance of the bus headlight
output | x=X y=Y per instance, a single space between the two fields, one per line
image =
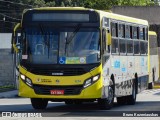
x=26 y=80
x=90 y=81
x=95 y=78
x=23 y=77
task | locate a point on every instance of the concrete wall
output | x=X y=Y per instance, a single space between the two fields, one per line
x=6 y=63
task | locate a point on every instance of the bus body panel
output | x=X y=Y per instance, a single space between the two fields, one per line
x=85 y=93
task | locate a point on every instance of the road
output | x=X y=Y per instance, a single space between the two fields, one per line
x=147 y=101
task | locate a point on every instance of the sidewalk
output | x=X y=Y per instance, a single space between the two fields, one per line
x=9 y=94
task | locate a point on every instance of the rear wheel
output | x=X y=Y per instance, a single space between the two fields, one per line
x=39 y=103
x=131 y=99
x=107 y=103
x=150 y=85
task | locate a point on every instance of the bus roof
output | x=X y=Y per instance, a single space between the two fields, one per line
x=57 y=8
x=123 y=18
x=152 y=33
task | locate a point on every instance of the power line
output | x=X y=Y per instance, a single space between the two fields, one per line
x=8 y=21
x=16 y=3
x=9 y=16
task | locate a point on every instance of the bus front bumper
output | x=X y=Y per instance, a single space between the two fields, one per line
x=93 y=91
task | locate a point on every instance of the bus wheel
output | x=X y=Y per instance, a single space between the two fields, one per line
x=78 y=102
x=150 y=85
x=39 y=103
x=69 y=102
x=107 y=103
x=131 y=99
x=121 y=100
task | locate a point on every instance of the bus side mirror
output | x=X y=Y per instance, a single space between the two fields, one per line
x=108 y=36
x=16 y=38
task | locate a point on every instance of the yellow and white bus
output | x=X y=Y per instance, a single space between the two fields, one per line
x=153 y=60
x=78 y=54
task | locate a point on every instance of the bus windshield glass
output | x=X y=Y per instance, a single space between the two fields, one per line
x=74 y=45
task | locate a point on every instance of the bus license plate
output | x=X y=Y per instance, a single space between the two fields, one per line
x=57 y=92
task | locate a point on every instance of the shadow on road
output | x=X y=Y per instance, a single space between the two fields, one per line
x=86 y=109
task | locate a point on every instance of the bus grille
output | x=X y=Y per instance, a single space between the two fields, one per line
x=63 y=72
x=68 y=90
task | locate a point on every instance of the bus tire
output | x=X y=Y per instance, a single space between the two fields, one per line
x=131 y=99
x=69 y=102
x=107 y=103
x=121 y=100
x=39 y=103
x=150 y=85
x=78 y=102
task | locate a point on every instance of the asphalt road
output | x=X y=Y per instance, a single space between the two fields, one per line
x=148 y=102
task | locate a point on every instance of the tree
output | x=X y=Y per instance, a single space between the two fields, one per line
x=136 y=2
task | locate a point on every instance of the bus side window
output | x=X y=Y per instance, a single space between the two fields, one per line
x=121 y=30
x=127 y=32
x=103 y=41
x=122 y=46
x=146 y=33
x=130 y=46
x=141 y=33
x=136 y=47
x=115 y=46
x=114 y=29
x=134 y=32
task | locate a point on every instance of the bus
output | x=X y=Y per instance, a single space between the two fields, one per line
x=76 y=55
x=153 y=60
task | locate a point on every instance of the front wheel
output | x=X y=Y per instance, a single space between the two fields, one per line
x=107 y=103
x=39 y=103
x=69 y=102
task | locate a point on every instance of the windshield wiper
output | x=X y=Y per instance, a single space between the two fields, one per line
x=70 y=38
x=47 y=42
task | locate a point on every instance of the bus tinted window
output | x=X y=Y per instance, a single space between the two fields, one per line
x=146 y=33
x=114 y=29
x=134 y=32
x=127 y=31
x=129 y=46
x=115 y=48
x=141 y=33
x=143 y=47
x=136 y=47
x=122 y=46
x=121 y=30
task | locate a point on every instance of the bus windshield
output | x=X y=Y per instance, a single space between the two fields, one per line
x=74 y=45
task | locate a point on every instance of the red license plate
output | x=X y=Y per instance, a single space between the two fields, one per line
x=57 y=92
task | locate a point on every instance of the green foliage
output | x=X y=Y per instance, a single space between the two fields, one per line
x=95 y=4
x=136 y=2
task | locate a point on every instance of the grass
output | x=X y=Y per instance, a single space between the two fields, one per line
x=6 y=88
